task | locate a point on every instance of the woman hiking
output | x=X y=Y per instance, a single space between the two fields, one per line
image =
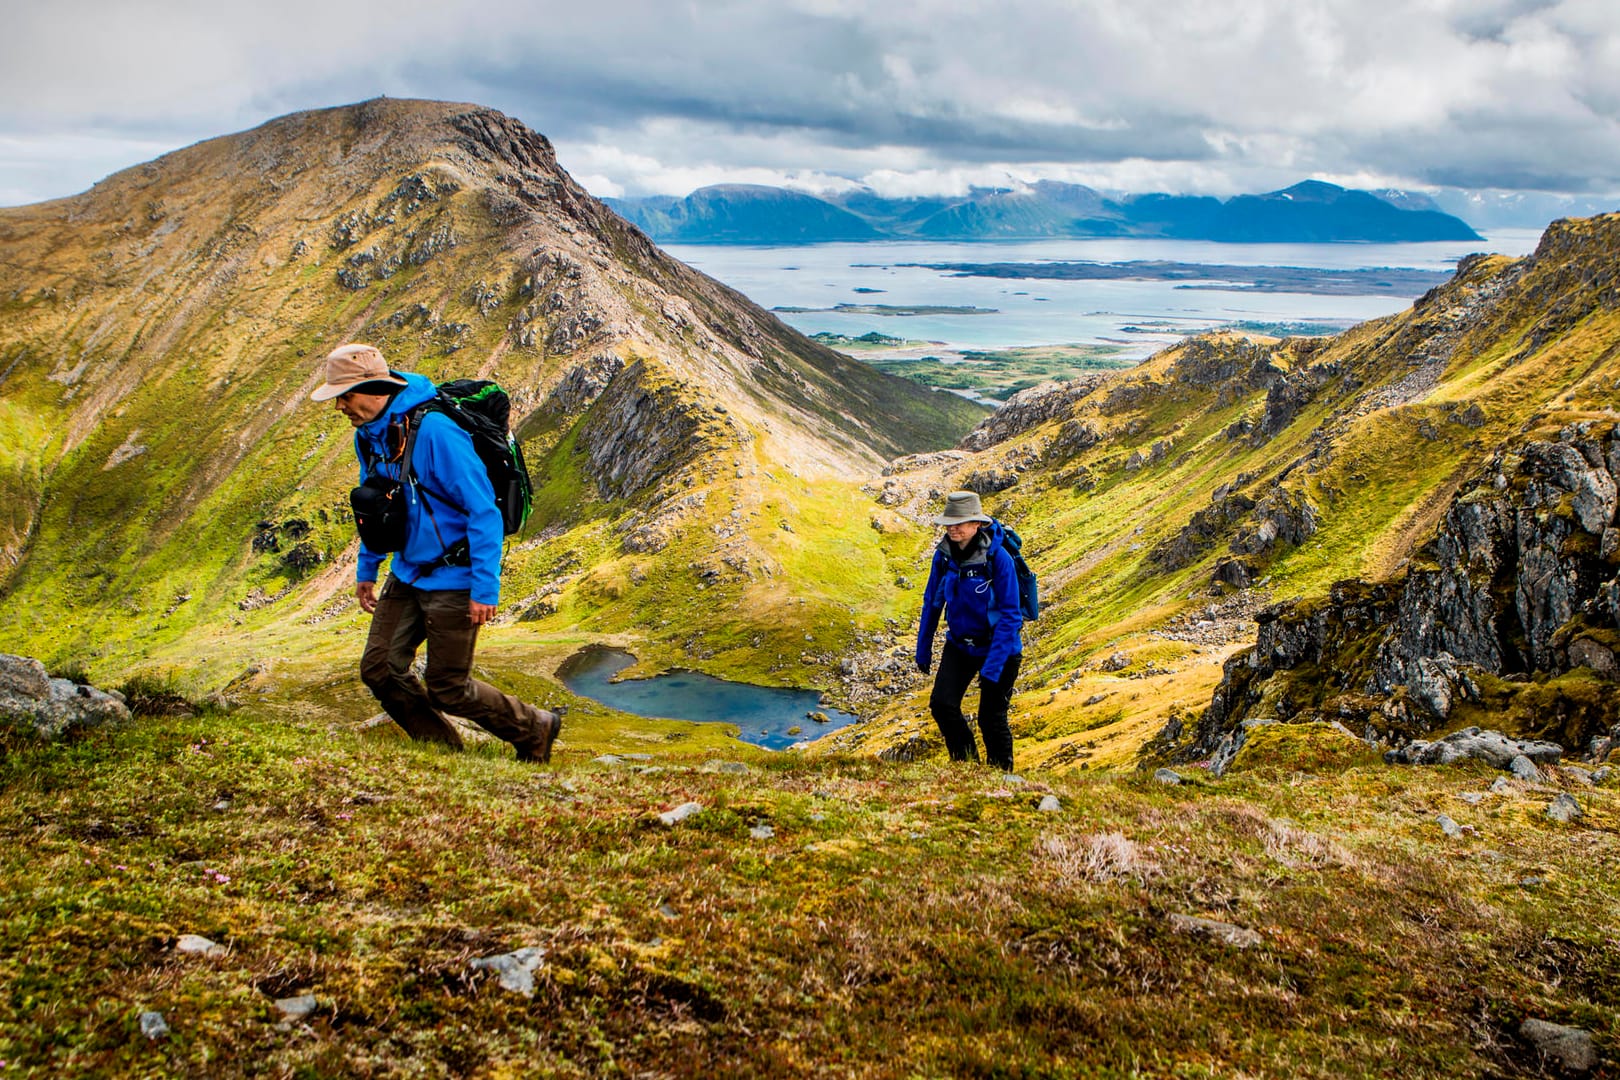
x=974 y=584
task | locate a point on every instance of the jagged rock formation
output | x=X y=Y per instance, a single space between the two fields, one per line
x=1518 y=587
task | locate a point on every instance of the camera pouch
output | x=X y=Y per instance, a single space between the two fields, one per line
x=380 y=514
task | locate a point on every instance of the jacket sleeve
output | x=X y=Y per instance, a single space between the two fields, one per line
x=1009 y=617
x=365 y=569
x=445 y=462
x=933 y=604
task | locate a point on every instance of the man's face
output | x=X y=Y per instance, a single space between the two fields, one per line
x=962 y=532
x=361 y=408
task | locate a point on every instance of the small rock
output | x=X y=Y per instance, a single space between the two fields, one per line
x=1448 y=826
x=608 y=759
x=153 y=1026
x=1525 y=769
x=296 y=1008
x=515 y=969
x=717 y=766
x=637 y=757
x=1472 y=798
x=1118 y=661
x=1603 y=774
x=1565 y=808
x=1236 y=936
x=795 y=730
x=680 y=813
x=1578 y=774
x=1012 y=778
x=1167 y=776
x=192 y=943
x=1503 y=786
x=1543 y=753
x=762 y=832
x=1570 y=1048
x=667 y=911
x=1095 y=699
x=223 y=805
x=1050 y=803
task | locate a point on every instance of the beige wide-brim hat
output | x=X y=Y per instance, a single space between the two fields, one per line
x=349 y=366
x=961 y=506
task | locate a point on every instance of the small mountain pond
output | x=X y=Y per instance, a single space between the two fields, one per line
x=762 y=713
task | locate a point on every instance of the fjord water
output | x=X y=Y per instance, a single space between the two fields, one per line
x=763 y=714
x=1049 y=312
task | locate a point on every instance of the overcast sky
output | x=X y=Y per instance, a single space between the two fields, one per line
x=908 y=96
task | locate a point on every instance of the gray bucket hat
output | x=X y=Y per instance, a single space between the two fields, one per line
x=961 y=506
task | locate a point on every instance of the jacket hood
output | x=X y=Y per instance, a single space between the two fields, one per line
x=986 y=541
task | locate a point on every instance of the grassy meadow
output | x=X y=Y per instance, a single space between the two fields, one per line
x=830 y=916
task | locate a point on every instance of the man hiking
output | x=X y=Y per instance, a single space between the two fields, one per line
x=445 y=579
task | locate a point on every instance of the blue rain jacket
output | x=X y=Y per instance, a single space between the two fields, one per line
x=978 y=595
x=452 y=483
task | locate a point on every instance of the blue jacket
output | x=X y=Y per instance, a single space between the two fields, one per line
x=979 y=598
x=451 y=500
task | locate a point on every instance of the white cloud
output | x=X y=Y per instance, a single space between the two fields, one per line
x=1214 y=93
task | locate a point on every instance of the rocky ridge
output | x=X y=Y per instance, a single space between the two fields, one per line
x=1517 y=588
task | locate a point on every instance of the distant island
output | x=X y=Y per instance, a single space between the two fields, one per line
x=1363 y=281
x=891 y=309
x=1308 y=212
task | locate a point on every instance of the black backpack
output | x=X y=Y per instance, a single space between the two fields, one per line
x=1029 y=586
x=481 y=409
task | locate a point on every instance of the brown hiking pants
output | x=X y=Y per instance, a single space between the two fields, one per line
x=406 y=617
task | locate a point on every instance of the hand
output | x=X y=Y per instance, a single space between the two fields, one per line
x=924 y=663
x=366 y=593
x=479 y=614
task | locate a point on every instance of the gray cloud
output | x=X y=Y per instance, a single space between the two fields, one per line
x=1216 y=95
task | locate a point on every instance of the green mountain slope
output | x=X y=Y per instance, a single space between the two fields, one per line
x=170 y=494
x=1168 y=507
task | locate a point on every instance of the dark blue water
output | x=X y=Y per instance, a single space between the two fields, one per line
x=762 y=713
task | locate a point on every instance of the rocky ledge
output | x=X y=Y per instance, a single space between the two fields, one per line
x=1512 y=610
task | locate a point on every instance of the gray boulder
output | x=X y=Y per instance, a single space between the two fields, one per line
x=1571 y=1049
x=1491 y=747
x=38 y=706
x=1564 y=808
x=1524 y=769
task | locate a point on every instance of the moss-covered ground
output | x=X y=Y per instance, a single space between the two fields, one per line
x=918 y=920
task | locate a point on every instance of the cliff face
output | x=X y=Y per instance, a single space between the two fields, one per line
x=1509 y=613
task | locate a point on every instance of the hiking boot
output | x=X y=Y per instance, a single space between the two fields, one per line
x=547 y=726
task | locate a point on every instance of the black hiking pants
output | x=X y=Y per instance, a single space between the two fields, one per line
x=956 y=670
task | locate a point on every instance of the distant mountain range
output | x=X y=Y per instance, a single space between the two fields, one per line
x=1308 y=212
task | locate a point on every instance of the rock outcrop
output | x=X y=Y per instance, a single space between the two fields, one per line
x=34 y=705
x=1517 y=588
x=1029 y=409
